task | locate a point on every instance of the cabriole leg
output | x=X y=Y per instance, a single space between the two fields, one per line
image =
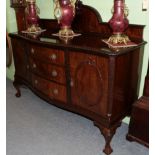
x=17 y=87
x=108 y=134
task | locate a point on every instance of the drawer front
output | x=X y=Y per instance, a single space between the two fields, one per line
x=48 y=71
x=51 y=89
x=40 y=84
x=57 y=92
x=47 y=55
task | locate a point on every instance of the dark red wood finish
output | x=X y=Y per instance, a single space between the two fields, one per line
x=139 y=123
x=146 y=85
x=89 y=78
x=17 y=3
x=19 y=6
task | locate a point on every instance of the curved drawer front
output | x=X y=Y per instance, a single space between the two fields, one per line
x=40 y=84
x=57 y=92
x=48 y=71
x=51 y=89
x=47 y=55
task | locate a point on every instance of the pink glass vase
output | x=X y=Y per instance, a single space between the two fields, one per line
x=65 y=12
x=32 y=17
x=119 y=22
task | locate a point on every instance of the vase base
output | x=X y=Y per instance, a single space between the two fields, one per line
x=34 y=30
x=65 y=38
x=119 y=39
x=66 y=32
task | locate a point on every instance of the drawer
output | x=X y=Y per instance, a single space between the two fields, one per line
x=51 y=89
x=48 y=71
x=47 y=55
x=57 y=92
x=40 y=84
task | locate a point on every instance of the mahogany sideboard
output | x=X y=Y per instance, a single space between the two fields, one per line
x=82 y=75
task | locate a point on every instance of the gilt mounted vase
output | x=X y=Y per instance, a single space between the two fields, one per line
x=32 y=17
x=119 y=23
x=64 y=12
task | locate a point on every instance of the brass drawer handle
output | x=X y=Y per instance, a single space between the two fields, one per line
x=55 y=92
x=36 y=81
x=71 y=83
x=32 y=50
x=34 y=66
x=27 y=66
x=54 y=73
x=53 y=56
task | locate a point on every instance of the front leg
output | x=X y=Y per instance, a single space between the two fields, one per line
x=17 y=87
x=108 y=134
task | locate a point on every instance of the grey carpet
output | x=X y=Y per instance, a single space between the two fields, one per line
x=37 y=128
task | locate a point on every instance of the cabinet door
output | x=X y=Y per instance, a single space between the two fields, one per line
x=20 y=58
x=89 y=82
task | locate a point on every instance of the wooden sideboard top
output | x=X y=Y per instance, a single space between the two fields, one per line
x=90 y=43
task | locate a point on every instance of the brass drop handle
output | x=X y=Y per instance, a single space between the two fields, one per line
x=34 y=65
x=36 y=81
x=55 y=91
x=71 y=83
x=54 y=73
x=91 y=60
x=32 y=50
x=53 y=56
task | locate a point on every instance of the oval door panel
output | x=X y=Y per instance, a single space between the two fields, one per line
x=88 y=83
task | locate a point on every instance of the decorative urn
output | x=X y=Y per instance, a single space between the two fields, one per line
x=64 y=12
x=119 y=23
x=32 y=17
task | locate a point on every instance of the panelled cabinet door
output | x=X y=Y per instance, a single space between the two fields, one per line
x=89 y=82
x=20 y=58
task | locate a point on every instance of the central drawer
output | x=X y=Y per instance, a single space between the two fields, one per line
x=47 y=55
x=50 y=89
x=48 y=71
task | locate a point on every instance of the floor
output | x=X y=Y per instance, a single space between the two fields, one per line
x=37 y=128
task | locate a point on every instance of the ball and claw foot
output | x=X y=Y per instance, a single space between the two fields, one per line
x=108 y=150
x=18 y=93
